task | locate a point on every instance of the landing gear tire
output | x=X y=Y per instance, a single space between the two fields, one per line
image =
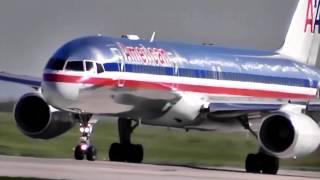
x=132 y=153
x=117 y=152
x=135 y=153
x=78 y=153
x=252 y=163
x=270 y=165
x=262 y=163
x=91 y=153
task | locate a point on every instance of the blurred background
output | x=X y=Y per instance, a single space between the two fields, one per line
x=32 y=30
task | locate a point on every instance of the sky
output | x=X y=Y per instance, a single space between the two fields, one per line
x=32 y=30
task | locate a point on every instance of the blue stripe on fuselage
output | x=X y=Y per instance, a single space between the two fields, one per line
x=206 y=74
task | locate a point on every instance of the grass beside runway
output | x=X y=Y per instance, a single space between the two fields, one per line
x=162 y=145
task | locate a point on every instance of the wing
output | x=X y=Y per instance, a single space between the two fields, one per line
x=235 y=115
x=244 y=106
x=21 y=79
x=258 y=106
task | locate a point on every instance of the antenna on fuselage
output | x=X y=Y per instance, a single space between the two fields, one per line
x=153 y=36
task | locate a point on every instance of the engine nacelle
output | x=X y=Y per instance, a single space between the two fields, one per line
x=289 y=134
x=36 y=119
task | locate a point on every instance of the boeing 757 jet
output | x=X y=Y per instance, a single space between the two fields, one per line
x=274 y=95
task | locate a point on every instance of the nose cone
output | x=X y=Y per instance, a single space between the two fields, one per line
x=61 y=84
x=59 y=94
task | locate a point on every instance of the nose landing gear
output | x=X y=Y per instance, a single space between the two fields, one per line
x=85 y=148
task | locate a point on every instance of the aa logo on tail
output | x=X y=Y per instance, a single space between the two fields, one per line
x=312 y=19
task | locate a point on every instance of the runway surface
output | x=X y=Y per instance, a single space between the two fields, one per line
x=84 y=170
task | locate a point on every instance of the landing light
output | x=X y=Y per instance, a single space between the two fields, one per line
x=85 y=129
x=84 y=147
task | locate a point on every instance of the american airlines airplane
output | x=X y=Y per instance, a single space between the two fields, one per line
x=272 y=95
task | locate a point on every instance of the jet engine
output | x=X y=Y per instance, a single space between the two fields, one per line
x=289 y=134
x=36 y=119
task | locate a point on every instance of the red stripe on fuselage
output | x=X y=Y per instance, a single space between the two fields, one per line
x=59 y=78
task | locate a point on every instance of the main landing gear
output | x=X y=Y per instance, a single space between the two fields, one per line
x=260 y=162
x=125 y=151
x=85 y=148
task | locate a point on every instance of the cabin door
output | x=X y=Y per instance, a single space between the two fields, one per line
x=175 y=76
x=122 y=69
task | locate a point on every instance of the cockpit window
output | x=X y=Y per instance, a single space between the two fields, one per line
x=99 y=68
x=55 y=64
x=89 y=66
x=75 y=66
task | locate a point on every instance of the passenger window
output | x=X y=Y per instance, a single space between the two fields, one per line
x=75 y=66
x=99 y=68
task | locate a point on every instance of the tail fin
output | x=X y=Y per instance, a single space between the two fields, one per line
x=303 y=40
